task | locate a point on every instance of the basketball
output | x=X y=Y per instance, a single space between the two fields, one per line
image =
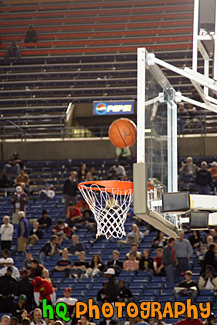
x=122 y=133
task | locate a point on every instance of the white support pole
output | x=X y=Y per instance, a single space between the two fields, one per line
x=195 y=35
x=215 y=46
x=174 y=148
x=141 y=58
x=169 y=146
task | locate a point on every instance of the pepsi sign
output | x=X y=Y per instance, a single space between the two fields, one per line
x=113 y=108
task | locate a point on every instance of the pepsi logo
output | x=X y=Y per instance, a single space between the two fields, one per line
x=101 y=108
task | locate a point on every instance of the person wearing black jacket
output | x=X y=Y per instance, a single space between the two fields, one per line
x=70 y=189
x=204 y=179
x=125 y=294
x=50 y=248
x=209 y=258
x=25 y=287
x=112 y=289
x=8 y=289
x=45 y=221
x=101 y=294
x=190 y=287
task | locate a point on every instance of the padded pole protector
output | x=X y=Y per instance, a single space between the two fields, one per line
x=139 y=188
x=198 y=219
x=175 y=202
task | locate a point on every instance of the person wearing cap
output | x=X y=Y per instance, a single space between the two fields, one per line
x=19 y=306
x=45 y=222
x=112 y=288
x=6 y=232
x=68 y=300
x=204 y=179
x=8 y=289
x=19 y=202
x=187 y=288
x=70 y=189
x=22 y=232
x=50 y=248
x=208 y=279
x=14 y=163
x=25 y=287
x=37 y=317
x=15 y=271
x=43 y=289
x=47 y=193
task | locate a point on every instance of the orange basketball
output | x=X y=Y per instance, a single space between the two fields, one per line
x=122 y=133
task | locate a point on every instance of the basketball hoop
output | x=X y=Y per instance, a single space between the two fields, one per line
x=110 y=202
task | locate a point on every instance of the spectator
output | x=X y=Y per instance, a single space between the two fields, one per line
x=36 y=268
x=45 y=221
x=94 y=173
x=208 y=280
x=82 y=172
x=22 y=178
x=22 y=232
x=89 y=177
x=82 y=205
x=188 y=287
x=14 y=164
x=189 y=321
x=157 y=263
x=189 y=168
x=69 y=301
x=63 y=265
x=181 y=114
x=134 y=250
x=213 y=171
x=146 y=262
x=62 y=230
x=112 y=288
x=195 y=239
x=159 y=241
x=43 y=289
x=119 y=169
x=5 y=320
x=25 y=287
x=204 y=179
x=15 y=272
x=132 y=264
x=45 y=274
x=125 y=295
x=50 y=248
x=5 y=182
x=79 y=267
x=19 y=306
x=124 y=153
x=84 y=320
x=6 y=232
x=112 y=202
x=31 y=36
x=209 y=258
x=5 y=258
x=27 y=261
x=37 y=318
x=35 y=234
x=101 y=294
x=47 y=193
x=115 y=262
x=70 y=189
x=135 y=236
x=8 y=289
x=183 y=251
x=19 y=201
x=96 y=266
x=25 y=321
x=210 y=320
x=72 y=215
x=86 y=222
x=170 y=260
x=76 y=247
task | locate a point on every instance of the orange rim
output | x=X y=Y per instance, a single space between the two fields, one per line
x=116 y=187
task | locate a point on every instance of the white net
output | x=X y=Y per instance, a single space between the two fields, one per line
x=109 y=206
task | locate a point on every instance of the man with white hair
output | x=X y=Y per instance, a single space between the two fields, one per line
x=6 y=232
x=19 y=201
x=204 y=179
x=22 y=232
x=5 y=320
x=188 y=168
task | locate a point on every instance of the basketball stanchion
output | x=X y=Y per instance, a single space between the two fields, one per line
x=110 y=202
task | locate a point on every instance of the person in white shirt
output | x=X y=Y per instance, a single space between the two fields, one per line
x=15 y=272
x=6 y=232
x=5 y=259
x=67 y=299
x=47 y=193
x=119 y=169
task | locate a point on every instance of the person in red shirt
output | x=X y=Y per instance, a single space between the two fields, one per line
x=158 y=264
x=62 y=230
x=72 y=214
x=82 y=205
x=189 y=321
x=43 y=289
